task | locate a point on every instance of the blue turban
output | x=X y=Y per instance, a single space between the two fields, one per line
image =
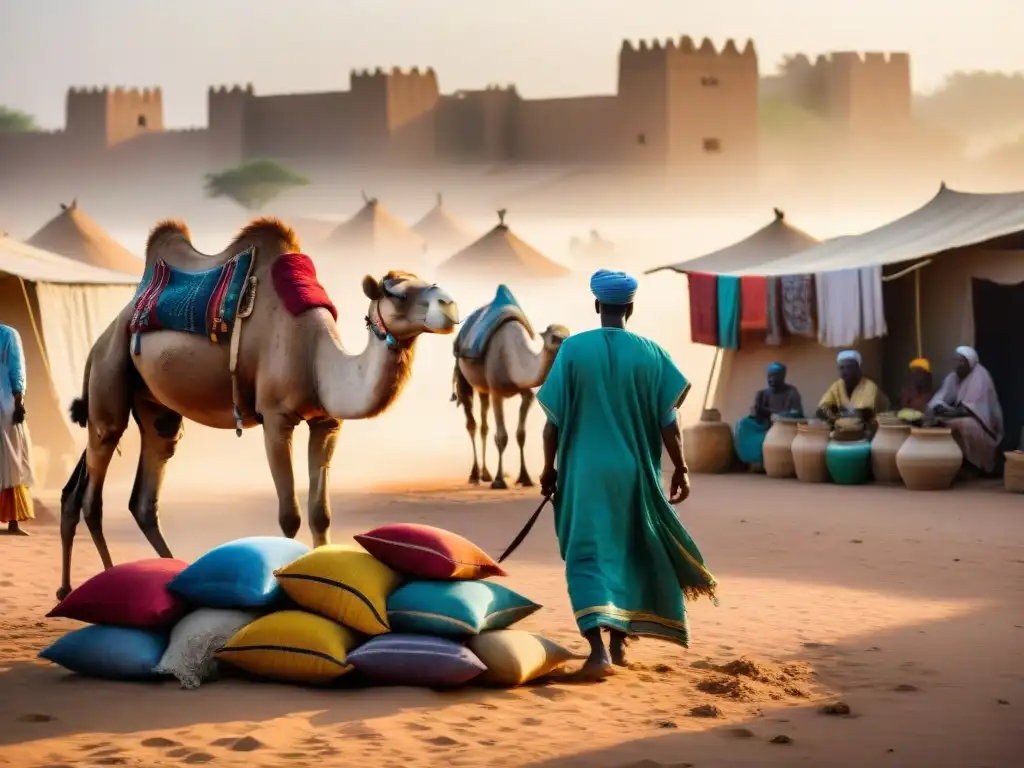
x=613 y=288
x=776 y=368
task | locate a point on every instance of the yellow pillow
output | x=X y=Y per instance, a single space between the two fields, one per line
x=293 y=646
x=514 y=657
x=343 y=583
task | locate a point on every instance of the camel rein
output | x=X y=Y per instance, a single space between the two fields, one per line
x=525 y=531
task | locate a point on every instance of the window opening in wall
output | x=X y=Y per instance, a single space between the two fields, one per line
x=712 y=145
x=141 y=122
x=709 y=82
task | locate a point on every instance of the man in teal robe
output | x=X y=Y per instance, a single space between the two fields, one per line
x=611 y=400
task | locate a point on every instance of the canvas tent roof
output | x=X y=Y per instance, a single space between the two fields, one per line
x=74 y=234
x=773 y=241
x=440 y=228
x=37 y=265
x=949 y=220
x=500 y=251
x=374 y=226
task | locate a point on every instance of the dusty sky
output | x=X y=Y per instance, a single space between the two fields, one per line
x=546 y=47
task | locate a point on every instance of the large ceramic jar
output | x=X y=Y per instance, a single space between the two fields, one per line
x=848 y=457
x=929 y=459
x=1013 y=474
x=708 y=444
x=778 y=447
x=809 y=448
x=886 y=444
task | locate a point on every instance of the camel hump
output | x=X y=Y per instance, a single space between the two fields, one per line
x=171 y=242
x=479 y=328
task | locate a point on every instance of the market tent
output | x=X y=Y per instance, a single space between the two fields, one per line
x=771 y=242
x=442 y=230
x=501 y=255
x=72 y=233
x=59 y=307
x=377 y=239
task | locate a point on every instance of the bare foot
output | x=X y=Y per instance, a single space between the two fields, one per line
x=592 y=672
x=618 y=654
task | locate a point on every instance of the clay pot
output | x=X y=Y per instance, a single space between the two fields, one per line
x=1013 y=472
x=778 y=447
x=929 y=459
x=808 y=449
x=886 y=444
x=848 y=457
x=708 y=444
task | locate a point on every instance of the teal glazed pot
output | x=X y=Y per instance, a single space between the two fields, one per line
x=849 y=461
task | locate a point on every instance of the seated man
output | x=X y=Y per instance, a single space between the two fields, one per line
x=778 y=398
x=852 y=395
x=967 y=403
x=918 y=387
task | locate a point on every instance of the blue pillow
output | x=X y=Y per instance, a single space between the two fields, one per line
x=430 y=662
x=114 y=653
x=455 y=609
x=239 y=574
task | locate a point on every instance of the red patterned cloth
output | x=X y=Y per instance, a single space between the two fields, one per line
x=703 y=308
x=753 y=303
x=295 y=281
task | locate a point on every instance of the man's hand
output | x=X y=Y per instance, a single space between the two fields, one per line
x=19 y=414
x=548 y=481
x=680 y=488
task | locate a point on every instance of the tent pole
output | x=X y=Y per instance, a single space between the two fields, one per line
x=35 y=327
x=711 y=377
x=917 y=311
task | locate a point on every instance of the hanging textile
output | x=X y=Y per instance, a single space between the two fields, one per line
x=798 y=304
x=728 y=312
x=839 y=307
x=774 y=302
x=703 y=308
x=753 y=303
x=872 y=306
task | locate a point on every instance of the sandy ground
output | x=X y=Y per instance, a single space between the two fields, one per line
x=907 y=607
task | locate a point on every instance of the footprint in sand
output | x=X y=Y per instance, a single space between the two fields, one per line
x=531 y=721
x=159 y=742
x=36 y=718
x=198 y=758
x=179 y=752
x=906 y=688
x=113 y=760
x=551 y=694
x=442 y=741
x=417 y=727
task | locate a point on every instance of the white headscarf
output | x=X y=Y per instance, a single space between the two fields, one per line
x=968 y=354
x=849 y=354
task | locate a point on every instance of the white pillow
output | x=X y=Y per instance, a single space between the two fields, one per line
x=194 y=640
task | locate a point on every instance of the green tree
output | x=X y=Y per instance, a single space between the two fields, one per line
x=16 y=121
x=253 y=184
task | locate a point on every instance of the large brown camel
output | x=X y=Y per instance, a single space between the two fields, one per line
x=510 y=367
x=290 y=367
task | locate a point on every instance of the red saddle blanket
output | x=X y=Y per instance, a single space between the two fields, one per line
x=295 y=281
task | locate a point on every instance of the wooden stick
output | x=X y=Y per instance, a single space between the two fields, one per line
x=917 y=311
x=711 y=376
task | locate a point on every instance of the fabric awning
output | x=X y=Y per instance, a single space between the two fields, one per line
x=39 y=266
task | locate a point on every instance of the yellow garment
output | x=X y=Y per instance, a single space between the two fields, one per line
x=865 y=395
x=16 y=505
x=921 y=363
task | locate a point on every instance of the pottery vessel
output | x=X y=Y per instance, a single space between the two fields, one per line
x=848 y=457
x=708 y=444
x=886 y=444
x=929 y=459
x=778 y=447
x=808 y=449
x=1013 y=473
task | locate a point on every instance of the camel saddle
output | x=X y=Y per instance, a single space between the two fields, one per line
x=479 y=328
x=205 y=302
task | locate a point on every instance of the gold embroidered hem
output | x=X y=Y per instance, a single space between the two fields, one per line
x=633 y=623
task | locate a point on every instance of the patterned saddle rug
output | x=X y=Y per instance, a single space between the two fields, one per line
x=478 y=329
x=204 y=303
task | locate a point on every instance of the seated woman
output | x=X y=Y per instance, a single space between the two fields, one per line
x=852 y=395
x=967 y=403
x=778 y=398
x=918 y=387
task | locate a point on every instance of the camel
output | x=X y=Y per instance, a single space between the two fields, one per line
x=509 y=367
x=285 y=364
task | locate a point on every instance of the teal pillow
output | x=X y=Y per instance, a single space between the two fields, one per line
x=455 y=609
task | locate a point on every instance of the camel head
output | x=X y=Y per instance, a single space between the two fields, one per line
x=553 y=336
x=405 y=306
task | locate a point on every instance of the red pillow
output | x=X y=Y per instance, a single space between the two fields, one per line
x=425 y=552
x=128 y=595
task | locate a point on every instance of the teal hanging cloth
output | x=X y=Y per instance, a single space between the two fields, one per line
x=728 y=312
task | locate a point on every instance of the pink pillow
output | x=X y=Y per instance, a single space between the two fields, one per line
x=128 y=595
x=425 y=552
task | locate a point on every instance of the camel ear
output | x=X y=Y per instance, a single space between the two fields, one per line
x=371 y=288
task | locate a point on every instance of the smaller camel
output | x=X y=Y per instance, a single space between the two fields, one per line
x=509 y=367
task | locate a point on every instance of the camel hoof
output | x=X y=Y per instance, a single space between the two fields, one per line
x=63 y=592
x=486 y=476
x=525 y=482
x=499 y=485
x=474 y=479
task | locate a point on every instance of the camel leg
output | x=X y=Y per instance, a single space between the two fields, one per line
x=500 y=442
x=467 y=406
x=485 y=408
x=527 y=398
x=160 y=429
x=323 y=437
x=277 y=439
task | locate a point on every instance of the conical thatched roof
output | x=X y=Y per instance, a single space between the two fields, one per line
x=73 y=234
x=442 y=230
x=375 y=231
x=501 y=255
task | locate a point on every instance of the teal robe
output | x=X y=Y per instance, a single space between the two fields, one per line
x=628 y=559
